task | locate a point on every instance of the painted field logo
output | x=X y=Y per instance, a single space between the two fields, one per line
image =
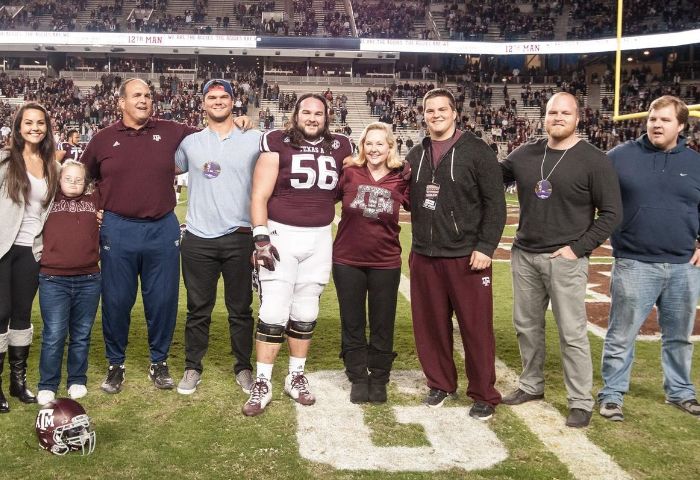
x=456 y=440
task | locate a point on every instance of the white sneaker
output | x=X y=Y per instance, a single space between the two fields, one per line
x=77 y=391
x=296 y=385
x=45 y=396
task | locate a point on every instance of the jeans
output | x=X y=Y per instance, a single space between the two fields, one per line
x=68 y=307
x=635 y=288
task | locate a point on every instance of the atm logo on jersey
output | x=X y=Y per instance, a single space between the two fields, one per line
x=373 y=200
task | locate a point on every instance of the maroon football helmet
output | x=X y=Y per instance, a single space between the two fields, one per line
x=62 y=426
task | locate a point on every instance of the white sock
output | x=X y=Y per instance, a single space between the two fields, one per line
x=296 y=364
x=264 y=371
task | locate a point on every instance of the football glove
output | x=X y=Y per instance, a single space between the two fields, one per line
x=265 y=254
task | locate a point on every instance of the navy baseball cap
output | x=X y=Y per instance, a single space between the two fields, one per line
x=217 y=82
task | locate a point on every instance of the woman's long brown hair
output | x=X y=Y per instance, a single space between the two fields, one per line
x=16 y=180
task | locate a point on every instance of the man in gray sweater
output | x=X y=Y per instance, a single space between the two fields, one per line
x=569 y=204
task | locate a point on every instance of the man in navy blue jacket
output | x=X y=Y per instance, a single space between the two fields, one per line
x=656 y=257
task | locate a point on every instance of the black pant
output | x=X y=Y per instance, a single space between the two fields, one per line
x=203 y=261
x=359 y=288
x=19 y=281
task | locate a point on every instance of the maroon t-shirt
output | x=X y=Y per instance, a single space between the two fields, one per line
x=440 y=147
x=368 y=234
x=71 y=236
x=135 y=168
x=307 y=182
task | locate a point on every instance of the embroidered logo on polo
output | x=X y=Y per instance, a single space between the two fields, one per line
x=156 y=138
x=486 y=281
x=373 y=200
x=116 y=144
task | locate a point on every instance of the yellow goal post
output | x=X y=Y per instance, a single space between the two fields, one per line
x=694 y=110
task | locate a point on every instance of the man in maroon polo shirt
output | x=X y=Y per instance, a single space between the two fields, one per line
x=134 y=162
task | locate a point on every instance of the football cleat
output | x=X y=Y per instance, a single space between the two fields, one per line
x=260 y=396
x=296 y=385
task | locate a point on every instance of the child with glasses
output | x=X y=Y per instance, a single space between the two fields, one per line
x=69 y=283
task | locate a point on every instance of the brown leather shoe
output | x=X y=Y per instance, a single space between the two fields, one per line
x=519 y=396
x=578 y=418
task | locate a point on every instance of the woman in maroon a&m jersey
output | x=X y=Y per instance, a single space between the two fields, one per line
x=367 y=261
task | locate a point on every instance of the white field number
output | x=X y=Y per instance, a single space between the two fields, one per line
x=327 y=175
x=333 y=432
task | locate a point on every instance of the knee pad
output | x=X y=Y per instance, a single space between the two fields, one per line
x=300 y=330
x=269 y=333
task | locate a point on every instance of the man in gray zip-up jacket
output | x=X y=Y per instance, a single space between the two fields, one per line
x=458 y=213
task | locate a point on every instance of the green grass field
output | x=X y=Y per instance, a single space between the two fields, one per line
x=146 y=433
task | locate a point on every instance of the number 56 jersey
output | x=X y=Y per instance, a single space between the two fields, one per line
x=307 y=182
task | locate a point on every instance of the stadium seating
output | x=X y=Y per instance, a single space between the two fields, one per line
x=452 y=19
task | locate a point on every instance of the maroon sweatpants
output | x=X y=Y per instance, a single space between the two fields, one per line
x=439 y=288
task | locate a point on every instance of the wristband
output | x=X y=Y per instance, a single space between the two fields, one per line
x=260 y=230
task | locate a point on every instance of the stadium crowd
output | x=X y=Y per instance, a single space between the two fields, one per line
x=93 y=109
x=397 y=105
x=468 y=20
x=598 y=18
x=386 y=19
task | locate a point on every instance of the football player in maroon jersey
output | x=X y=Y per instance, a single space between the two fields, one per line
x=367 y=261
x=294 y=189
x=70 y=150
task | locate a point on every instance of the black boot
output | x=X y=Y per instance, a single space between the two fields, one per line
x=377 y=392
x=17 y=357
x=4 y=407
x=359 y=393
x=379 y=364
x=356 y=370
